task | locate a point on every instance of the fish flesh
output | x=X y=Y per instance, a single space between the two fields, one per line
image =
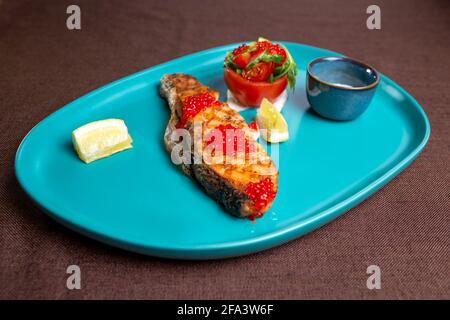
x=245 y=180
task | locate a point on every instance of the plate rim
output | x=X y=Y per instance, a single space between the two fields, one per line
x=231 y=248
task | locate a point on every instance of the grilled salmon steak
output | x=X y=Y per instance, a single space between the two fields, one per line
x=213 y=145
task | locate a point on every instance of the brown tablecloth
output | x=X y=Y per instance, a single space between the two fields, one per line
x=403 y=228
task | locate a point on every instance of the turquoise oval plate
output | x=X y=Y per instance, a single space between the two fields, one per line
x=138 y=200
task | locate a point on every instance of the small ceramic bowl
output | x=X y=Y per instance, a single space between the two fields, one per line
x=340 y=88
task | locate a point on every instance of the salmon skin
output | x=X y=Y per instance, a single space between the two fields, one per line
x=232 y=184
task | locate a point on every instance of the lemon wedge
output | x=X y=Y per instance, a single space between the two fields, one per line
x=100 y=139
x=272 y=124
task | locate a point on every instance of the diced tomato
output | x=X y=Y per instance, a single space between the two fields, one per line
x=259 y=72
x=242 y=59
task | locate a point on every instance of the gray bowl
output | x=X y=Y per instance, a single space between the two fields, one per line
x=340 y=88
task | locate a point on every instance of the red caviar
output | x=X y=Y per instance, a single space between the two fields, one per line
x=240 y=49
x=193 y=105
x=261 y=193
x=252 y=125
x=277 y=49
x=262 y=45
x=231 y=136
x=273 y=49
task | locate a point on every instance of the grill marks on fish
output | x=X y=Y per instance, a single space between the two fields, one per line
x=224 y=182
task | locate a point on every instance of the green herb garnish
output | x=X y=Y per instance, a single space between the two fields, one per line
x=289 y=68
x=257 y=59
x=275 y=58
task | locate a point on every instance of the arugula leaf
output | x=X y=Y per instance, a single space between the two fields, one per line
x=281 y=70
x=276 y=58
x=229 y=63
x=289 y=68
x=249 y=49
x=291 y=76
x=266 y=57
x=257 y=59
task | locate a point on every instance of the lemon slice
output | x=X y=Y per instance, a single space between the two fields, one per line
x=101 y=139
x=262 y=39
x=272 y=124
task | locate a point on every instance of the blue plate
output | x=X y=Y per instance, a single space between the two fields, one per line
x=138 y=200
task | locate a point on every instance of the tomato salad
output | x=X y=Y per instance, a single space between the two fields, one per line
x=260 y=69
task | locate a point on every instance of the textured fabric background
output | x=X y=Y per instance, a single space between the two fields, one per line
x=403 y=228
